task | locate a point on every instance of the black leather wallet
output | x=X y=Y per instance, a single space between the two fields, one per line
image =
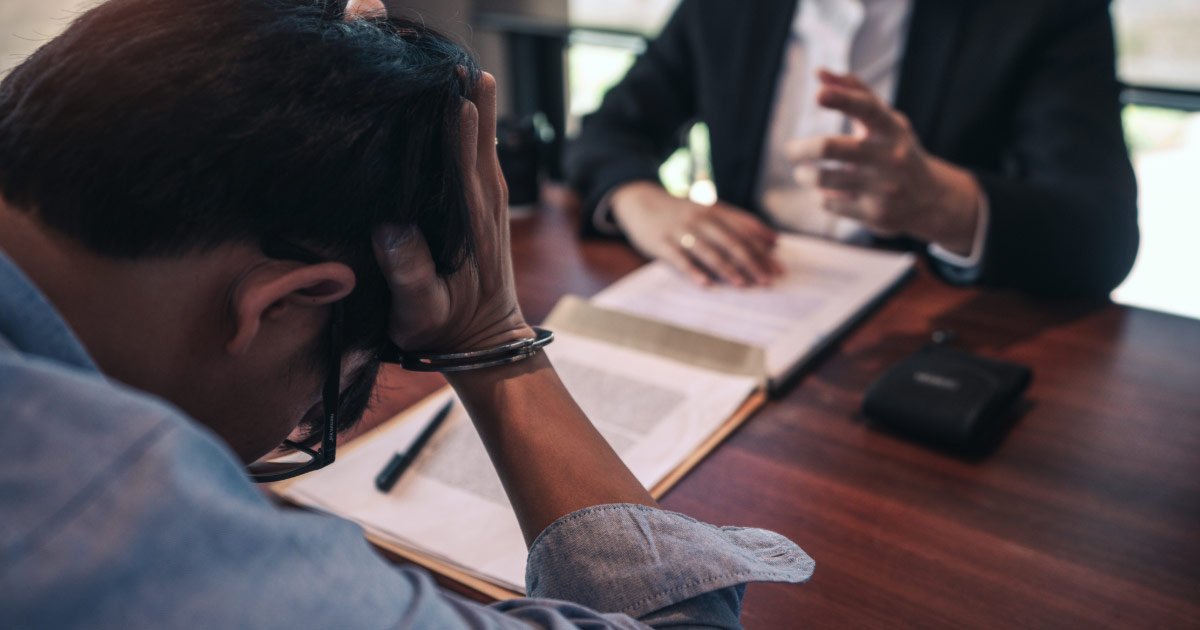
x=946 y=396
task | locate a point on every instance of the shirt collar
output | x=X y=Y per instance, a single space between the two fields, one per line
x=30 y=324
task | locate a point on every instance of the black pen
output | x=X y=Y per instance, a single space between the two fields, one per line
x=401 y=461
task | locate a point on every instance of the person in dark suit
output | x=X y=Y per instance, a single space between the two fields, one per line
x=985 y=132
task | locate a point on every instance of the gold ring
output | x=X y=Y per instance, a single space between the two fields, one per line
x=687 y=240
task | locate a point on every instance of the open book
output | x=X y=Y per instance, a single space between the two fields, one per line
x=449 y=512
x=665 y=370
x=826 y=288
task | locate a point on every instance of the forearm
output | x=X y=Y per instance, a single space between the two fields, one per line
x=550 y=458
x=953 y=225
x=627 y=198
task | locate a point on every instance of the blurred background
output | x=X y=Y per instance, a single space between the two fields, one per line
x=555 y=59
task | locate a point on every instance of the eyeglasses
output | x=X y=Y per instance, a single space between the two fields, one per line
x=298 y=457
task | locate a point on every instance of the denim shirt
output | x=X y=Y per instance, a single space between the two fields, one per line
x=117 y=511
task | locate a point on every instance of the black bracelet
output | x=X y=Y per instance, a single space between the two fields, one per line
x=475 y=359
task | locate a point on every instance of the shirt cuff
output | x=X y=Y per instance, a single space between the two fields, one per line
x=636 y=560
x=967 y=269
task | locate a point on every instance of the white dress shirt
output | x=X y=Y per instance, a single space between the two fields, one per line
x=863 y=37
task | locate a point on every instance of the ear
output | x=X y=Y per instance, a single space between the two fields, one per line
x=269 y=291
x=364 y=8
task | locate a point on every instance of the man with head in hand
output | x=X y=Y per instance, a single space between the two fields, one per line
x=217 y=217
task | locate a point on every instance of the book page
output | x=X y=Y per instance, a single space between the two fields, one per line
x=450 y=504
x=824 y=285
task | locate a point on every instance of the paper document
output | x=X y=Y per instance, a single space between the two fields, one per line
x=825 y=286
x=450 y=505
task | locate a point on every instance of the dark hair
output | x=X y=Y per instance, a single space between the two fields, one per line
x=154 y=128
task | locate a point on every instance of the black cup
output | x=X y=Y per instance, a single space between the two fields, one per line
x=518 y=147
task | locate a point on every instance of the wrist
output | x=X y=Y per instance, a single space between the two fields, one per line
x=635 y=194
x=514 y=330
x=957 y=209
x=518 y=348
x=487 y=329
x=484 y=382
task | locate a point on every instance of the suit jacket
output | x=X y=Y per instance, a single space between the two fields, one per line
x=1021 y=92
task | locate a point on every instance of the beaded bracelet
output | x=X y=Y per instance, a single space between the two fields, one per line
x=473 y=360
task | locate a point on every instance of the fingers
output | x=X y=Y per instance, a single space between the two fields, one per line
x=861 y=105
x=751 y=265
x=674 y=254
x=403 y=256
x=490 y=174
x=729 y=245
x=852 y=180
x=745 y=224
x=753 y=237
x=477 y=303
x=844 y=180
x=866 y=210
x=490 y=158
x=482 y=178
x=845 y=206
x=469 y=137
x=706 y=243
x=713 y=258
x=484 y=97
x=845 y=80
x=818 y=149
x=364 y=8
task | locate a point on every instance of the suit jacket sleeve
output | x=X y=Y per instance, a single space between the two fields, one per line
x=1064 y=202
x=641 y=119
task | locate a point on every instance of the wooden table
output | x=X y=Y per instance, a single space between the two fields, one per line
x=1087 y=515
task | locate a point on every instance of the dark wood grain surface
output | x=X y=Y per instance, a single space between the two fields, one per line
x=1086 y=515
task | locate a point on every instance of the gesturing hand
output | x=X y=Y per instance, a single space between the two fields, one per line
x=705 y=242
x=475 y=307
x=881 y=176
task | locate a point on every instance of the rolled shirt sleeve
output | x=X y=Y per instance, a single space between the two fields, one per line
x=638 y=560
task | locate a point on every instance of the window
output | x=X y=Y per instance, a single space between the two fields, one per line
x=608 y=37
x=1159 y=59
x=644 y=17
x=1157 y=42
x=25 y=25
x=596 y=61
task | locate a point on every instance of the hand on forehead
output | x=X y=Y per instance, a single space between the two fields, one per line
x=361 y=8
